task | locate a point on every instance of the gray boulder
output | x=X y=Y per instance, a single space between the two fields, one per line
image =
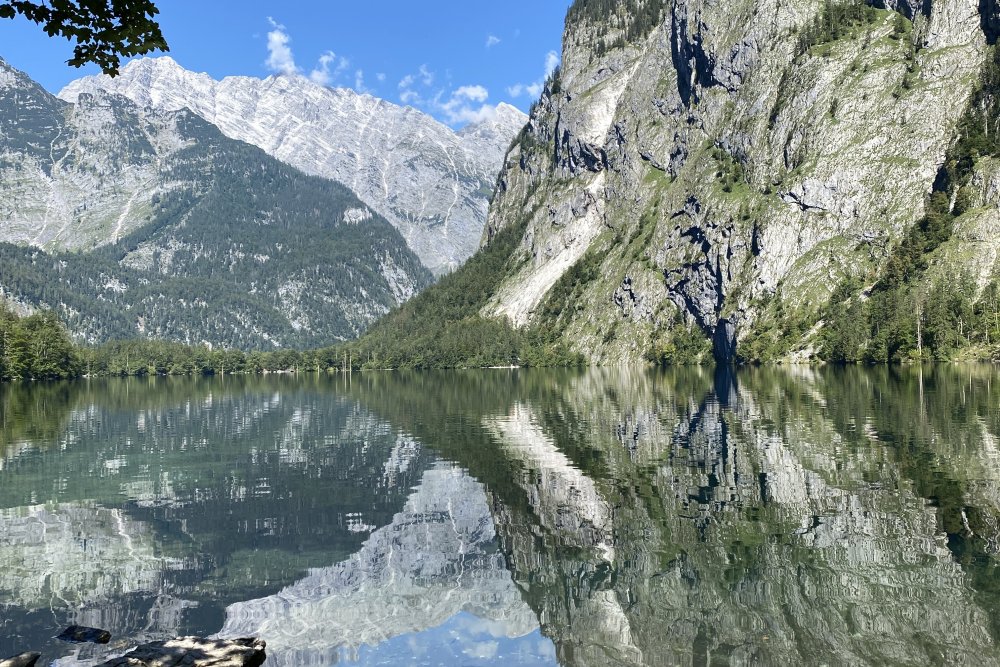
x=194 y=652
x=22 y=660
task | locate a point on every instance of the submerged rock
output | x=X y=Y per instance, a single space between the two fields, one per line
x=22 y=660
x=194 y=652
x=79 y=634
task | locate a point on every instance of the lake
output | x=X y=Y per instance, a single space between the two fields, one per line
x=769 y=516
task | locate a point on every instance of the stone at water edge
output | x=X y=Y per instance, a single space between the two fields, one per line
x=23 y=660
x=194 y=652
x=79 y=634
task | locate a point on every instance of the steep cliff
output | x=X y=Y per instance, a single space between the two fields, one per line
x=695 y=171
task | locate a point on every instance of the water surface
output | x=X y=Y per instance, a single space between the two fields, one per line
x=772 y=516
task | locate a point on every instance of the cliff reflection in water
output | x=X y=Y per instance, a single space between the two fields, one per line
x=797 y=516
x=772 y=516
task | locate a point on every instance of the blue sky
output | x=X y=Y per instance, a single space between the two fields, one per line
x=454 y=59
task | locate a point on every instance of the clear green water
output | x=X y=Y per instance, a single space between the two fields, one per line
x=605 y=516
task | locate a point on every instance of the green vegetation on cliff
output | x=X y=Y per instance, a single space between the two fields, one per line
x=906 y=311
x=442 y=327
x=634 y=19
x=909 y=314
x=838 y=20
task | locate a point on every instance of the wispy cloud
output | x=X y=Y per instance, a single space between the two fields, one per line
x=329 y=68
x=426 y=76
x=279 y=58
x=464 y=104
x=551 y=63
x=407 y=93
x=359 y=82
x=472 y=93
x=534 y=89
x=492 y=40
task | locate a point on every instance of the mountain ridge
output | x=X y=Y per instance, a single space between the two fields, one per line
x=430 y=182
x=180 y=232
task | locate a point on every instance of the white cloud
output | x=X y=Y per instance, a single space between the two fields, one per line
x=465 y=104
x=482 y=650
x=534 y=89
x=279 y=58
x=551 y=63
x=329 y=67
x=426 y=76
x=492 y=40
x=380 y=76
x=407 y=95
x=323 y=74
x=473 y=93
x=359 y=82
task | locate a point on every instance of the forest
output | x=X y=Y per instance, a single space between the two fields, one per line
x=38 y=347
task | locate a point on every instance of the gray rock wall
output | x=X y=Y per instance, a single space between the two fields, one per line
x=717 y=162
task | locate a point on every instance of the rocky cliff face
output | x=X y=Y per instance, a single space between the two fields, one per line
x=76 y=176
x=430 y=182
x=710 y=158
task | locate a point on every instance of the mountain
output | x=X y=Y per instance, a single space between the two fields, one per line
x=432 y=183
x=164 y=227
x=766 y=180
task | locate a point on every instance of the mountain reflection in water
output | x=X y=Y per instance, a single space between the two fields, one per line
x=768 y=516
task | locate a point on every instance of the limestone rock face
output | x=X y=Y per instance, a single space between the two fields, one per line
x=719 y=160
x=430 y=182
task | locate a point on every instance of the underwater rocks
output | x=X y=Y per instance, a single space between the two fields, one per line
x=194 y=652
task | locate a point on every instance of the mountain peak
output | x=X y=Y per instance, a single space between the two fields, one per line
x=157 y=62
x=511 y=111
x=428 y=180
x=506 y=121
x=11 y=77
